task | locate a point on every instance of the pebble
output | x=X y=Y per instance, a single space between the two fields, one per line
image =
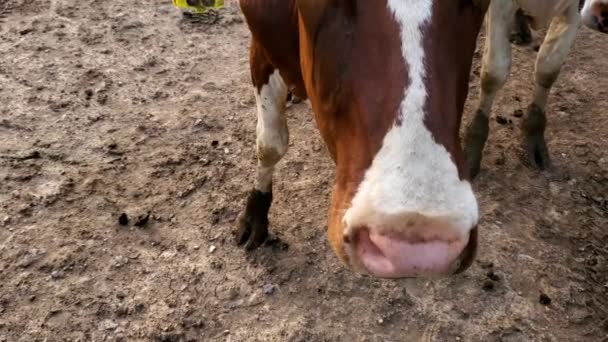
x=120 y=261
x=109 y=325
x=268 y=289
x=212 y=248
x=57 y=274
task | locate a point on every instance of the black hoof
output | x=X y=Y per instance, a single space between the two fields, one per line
x=520 y=39
x=291 y=97
x=521 y=35
x=536 y=152
x=474 y=141
x=252 y=229
x=533 y=138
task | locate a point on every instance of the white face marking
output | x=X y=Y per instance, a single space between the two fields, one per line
x=412 y=173
x=272 y=132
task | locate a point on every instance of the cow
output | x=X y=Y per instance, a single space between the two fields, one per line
x=563 y=19
x=387 y=81
x=595 y=15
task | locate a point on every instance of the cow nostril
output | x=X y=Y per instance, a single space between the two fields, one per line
x=346 y=239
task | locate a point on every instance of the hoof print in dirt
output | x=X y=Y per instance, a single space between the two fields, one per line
x=252 y=229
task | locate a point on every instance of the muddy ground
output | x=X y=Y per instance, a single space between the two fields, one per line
x=112 y=107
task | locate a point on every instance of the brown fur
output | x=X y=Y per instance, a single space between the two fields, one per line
x=345 y=56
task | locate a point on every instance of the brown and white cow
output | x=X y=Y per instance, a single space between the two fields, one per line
x=595 y=15
x=387 y=81
x=564 y=20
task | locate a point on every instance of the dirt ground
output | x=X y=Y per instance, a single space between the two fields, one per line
x=118 y=107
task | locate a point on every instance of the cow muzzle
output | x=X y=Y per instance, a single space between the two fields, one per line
x=410 y=246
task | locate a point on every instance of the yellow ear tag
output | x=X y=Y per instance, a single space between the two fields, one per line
x=198 y=6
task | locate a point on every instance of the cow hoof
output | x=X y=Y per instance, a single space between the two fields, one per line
x=291 y=97
x=475 y=139
x=536 y=152
x=533 y=141
x=520 y=38
x=252 y=228
x=521 y=34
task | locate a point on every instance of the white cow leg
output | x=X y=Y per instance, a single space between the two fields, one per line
x=496 y=65
x=272 y=142
x=551 y=57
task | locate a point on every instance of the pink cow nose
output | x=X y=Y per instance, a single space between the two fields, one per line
x=431 y=249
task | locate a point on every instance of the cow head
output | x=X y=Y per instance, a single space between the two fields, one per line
x=387 y=80
x=595 y=14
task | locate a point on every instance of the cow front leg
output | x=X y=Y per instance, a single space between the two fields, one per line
x=271 y=145
x=550 y=59
x=495 y=68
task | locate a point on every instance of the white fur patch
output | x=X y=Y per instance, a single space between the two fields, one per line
x=272 y=131
x=412 y=173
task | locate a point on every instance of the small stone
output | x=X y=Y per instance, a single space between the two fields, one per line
x=544 y=299
x=109 y=325
x=212 y=248
x=268 y=289
x=196 y=247
x=380 y=321
x=57 y=275
x=6 y=220
x=31 y=257
x=120 y=261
